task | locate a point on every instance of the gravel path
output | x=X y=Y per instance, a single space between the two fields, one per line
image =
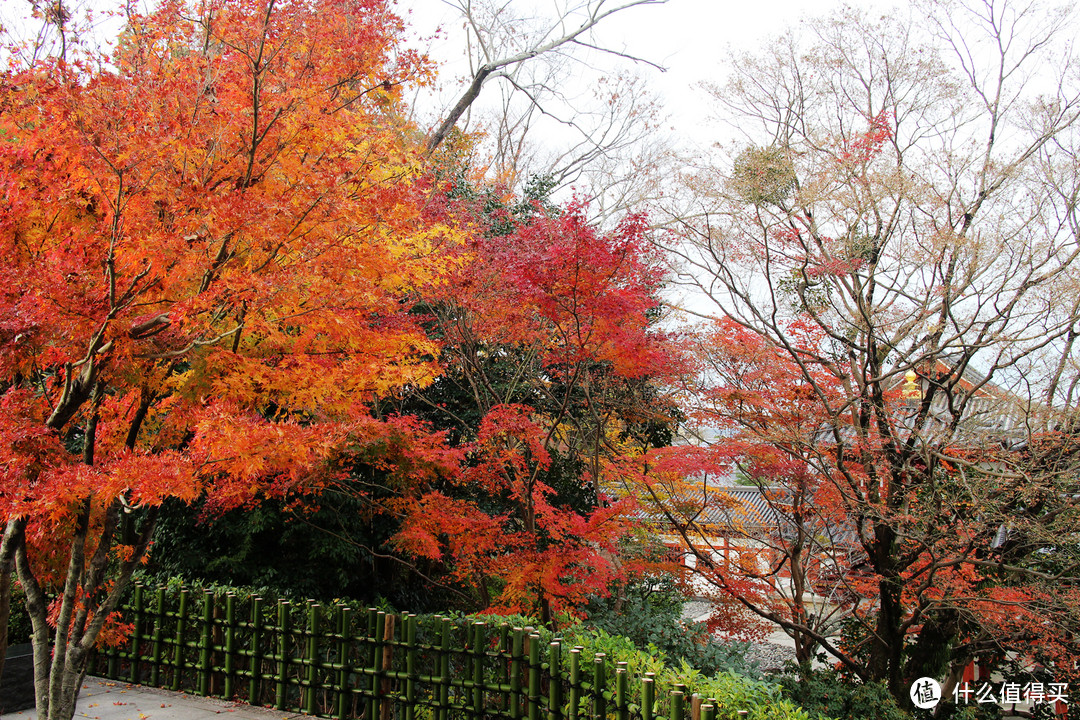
x=769 y=656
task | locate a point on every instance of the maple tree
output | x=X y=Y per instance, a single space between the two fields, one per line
x=549 y=349
x=889 y=357
x=207 y=234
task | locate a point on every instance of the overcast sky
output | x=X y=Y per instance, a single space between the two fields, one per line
x=689 y=38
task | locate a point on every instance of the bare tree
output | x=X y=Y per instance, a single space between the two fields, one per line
x=563 y=109
x=897 y=233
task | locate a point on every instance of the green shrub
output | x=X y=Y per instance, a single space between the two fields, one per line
x=19 y=629
x=649 y=613
x=824 y=694
x=732 y=692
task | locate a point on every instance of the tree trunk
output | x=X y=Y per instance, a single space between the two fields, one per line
x=12 y=531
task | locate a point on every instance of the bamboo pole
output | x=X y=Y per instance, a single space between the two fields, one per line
x=478 y=669
x=255 y=666
x=534 y=677
x=282 y=654
x=230 y=645
x=648 y=696
x=376 y=624
x=136 y=635
x=677 y=702
x=410 y=666
x=575 y=682
x=516 y=655
x=555 y=681
x=599 y=685
x=344 y=694
x=159 y=622
x=444 y=670
x=178 y=647
x=621 y=692
x=311 y=658
x=386 y=707
x=205 y=643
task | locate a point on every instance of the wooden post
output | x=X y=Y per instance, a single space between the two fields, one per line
x=695 y=707
x=255 y=661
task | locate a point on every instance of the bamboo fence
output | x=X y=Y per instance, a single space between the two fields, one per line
x=338 y=662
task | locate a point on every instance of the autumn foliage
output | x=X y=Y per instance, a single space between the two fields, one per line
x=207 y=238
x=232 y=270
x=547 y=330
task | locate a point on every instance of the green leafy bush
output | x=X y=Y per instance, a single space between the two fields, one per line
x=731 y=691
x=19 y=629
x=824 y=694
x=649 y=614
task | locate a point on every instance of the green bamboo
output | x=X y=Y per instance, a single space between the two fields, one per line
x=622 y=704
x=410 y=666
x=648 y=696
x=178 y=647
x=386 y=706
x=223 y=635
x=205 y=643
x=136 y=635
x=555 y=681
x=534 y=677
x=159 y=622
x=599 y=685
x=575 y=682
x=311 y=658
x=516 y=654
x=502 y=668
x=344 y=624
x=677 y=702
x=230 y=645
x=376 y=624
x=280 y=696
x=255 y=666
x=478 y=669
x=444 y=671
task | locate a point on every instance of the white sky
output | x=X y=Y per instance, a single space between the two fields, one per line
x=690 y=38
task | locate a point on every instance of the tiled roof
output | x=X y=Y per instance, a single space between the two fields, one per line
x=737 y=508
